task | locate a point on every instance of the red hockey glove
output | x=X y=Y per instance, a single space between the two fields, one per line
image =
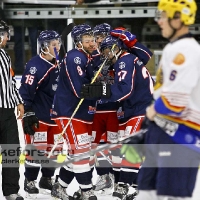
x=127 y=37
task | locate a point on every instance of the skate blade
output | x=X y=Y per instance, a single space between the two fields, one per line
x=117 y=198
x=31 y=196
x=56 y=198
x=103 y=192
x=45 y=191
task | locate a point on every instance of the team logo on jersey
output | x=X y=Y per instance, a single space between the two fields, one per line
x=139 y=62
x=77 y=60
x=122 y=65
x=83 y=139
x=40 y=137
x=179 y=59
x=32 y=70
x=54 y=87
x=91 y=110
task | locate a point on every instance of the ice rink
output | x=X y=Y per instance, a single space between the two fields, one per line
x=74 y=185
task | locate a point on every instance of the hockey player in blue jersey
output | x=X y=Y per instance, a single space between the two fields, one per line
x=133 y=88
x=105 y=123
x=38 y=86
x=76 y=70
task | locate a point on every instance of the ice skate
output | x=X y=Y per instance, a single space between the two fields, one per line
x=104 y=185
x=132 y=196
x=112 y=177
x=77 y=195
x=121 y=192
x=88 y=195
x=58 y=192
x=45 y=185
x=14 y=197
x=31 y=189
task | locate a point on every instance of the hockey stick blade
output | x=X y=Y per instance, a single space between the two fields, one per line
x=66 y=31
x=64 y=35
x=47 y=162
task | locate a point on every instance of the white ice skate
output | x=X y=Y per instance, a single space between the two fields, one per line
x=121 y=192
x=104 y=185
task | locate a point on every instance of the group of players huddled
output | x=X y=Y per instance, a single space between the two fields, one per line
x=113 y=108
x=101 y=92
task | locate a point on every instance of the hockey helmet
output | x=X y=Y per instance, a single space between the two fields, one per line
x=80 y=30
x=110 y=42
x=187 y=9
x=46 y=36
x=102 y=29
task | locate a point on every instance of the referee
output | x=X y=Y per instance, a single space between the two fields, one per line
x=9 y=135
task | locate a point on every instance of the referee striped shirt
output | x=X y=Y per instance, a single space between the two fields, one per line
x=9 y=95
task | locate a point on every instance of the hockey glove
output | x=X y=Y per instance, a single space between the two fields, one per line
x=132 y=153
x=133 y=147
x=29 y=121
x=96 y=90
x=127 y=37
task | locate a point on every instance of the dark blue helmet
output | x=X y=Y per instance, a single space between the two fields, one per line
x=48 y=35
x=80 y=30
x=102 y=29
x=45 y=38
x=109 y=42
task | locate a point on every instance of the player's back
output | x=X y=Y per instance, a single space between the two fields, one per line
x=142 y=94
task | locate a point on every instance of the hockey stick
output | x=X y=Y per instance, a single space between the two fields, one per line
x=46 y=162
x=64 y=35
x=106 y=157
x=67 y=30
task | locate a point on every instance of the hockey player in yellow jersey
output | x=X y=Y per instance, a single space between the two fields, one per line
x=171 y=164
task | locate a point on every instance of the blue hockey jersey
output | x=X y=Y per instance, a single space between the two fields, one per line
x=142 y=52
x=133 y=86
x=38 y=85
x=75 y=71
x=139 y=50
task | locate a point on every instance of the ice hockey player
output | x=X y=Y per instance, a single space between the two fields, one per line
x=38 y=85
x=75 y=71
